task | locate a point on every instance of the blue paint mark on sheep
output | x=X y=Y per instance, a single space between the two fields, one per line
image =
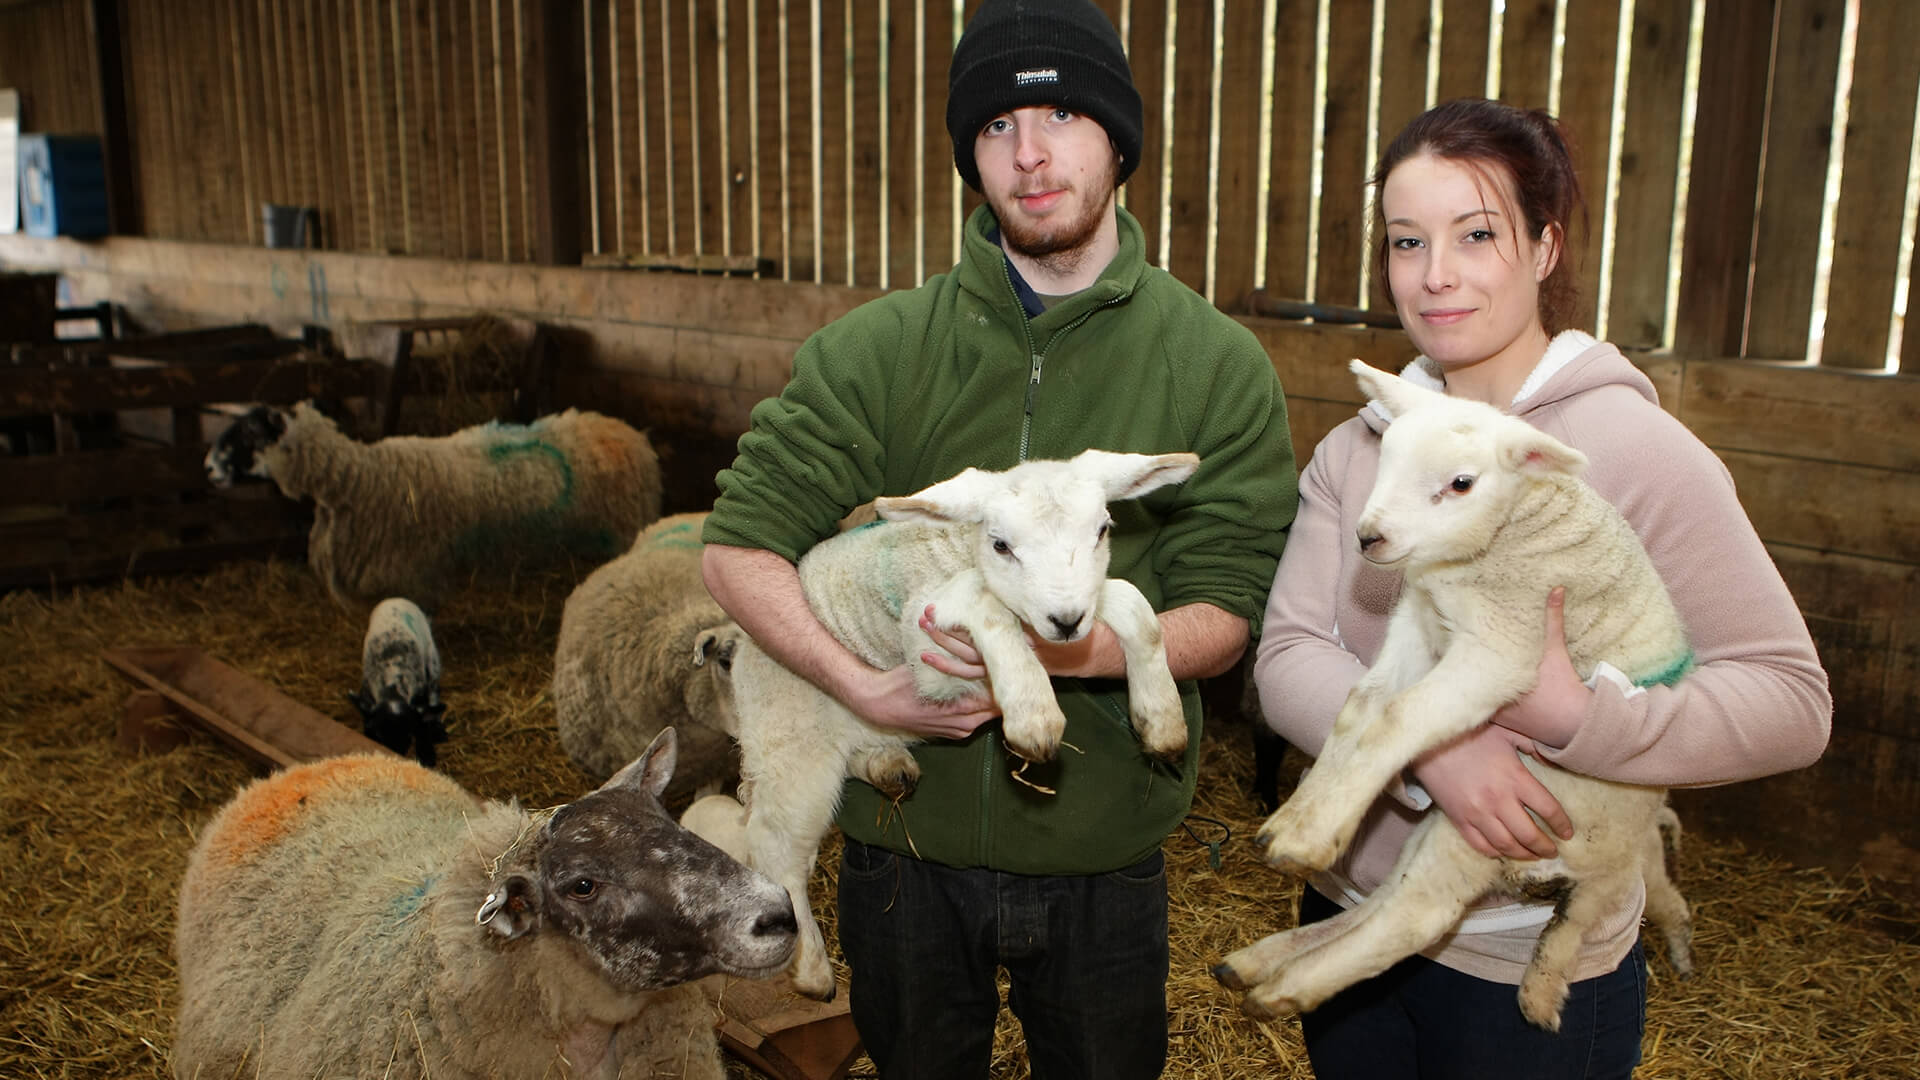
x=407 y=904
x=1670 y=674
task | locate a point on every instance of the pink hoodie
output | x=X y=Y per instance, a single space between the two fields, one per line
x=1757 y=704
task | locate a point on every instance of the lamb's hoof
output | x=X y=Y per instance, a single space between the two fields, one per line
x=1263 y=1007
x=1032 y=752
x=1225 y=975
x=1171 y=748
x=1541 y=1006
x=816 y=987
x=1034 y=734
x=894 y=773
x=1289 y=855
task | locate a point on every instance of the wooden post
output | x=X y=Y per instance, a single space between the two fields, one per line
x=1727 y=132
x=109 y=75
x=555 y=136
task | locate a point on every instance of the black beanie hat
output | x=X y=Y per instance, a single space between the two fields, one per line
x=1016 y=53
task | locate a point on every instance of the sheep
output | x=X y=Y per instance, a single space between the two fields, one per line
x=365 y=916
x=1484 y=514
x=399 y=695
x=643 y=646
x=991 y=552
x=403 y=516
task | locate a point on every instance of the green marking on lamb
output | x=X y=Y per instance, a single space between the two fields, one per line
x=676 y=536
x=1670 y=674
x=500 y=452
x=407 y=904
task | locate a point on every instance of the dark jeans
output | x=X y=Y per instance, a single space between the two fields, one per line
x=1420 y=1019
x=1086 y=958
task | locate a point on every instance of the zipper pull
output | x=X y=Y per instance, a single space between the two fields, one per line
x=1034 y=374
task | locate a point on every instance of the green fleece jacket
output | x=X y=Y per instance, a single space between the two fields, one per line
x=911 y=388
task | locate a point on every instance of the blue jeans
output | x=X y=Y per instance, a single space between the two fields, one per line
x=1421 y=1019
x=1086 y=957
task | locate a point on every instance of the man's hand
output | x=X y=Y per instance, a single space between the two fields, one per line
x=889 y=700
x=1072 y=659
x=1479 y=782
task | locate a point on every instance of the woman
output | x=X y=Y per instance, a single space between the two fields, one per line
x=1475 y=199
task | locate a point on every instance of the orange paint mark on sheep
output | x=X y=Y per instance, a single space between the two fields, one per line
x=265 y=813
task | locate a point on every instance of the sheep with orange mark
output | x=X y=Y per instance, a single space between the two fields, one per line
x=409 y=516
x=364 y=916
x=643 y=646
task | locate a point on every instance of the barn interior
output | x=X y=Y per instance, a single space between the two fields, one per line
x=444 y=212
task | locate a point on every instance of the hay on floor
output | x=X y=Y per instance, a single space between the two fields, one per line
x=1803 y=973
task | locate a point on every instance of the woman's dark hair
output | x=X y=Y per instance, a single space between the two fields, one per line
x=1525 y=144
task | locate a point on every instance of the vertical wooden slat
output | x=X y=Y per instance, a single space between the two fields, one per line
x=172 y=133
x=109 y=79
x=1586 y=118
x=1464 y=48
x=1910 y=335
x=937 y=165
x=556 y=55
x=1344 y=169
x=830 y=142
x=1146 y=53
x=1728 y=128
x=1290 y=156
x=631 y=103
x=335 y=152
x=709 y=188
x=1526 y=53
x=1799 y=136
x=869 y=94
x=601 y=235
x=668 y=34
x=1405 y=33
x=487 y=141
x=735 y=179
x=1873 y=186
x=902 y=120
x=1238 y=194
x=771 y=147
x=1186 y=257
x=1649 y=161
x=309 y=112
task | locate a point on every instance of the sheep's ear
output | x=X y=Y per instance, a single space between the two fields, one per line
x=651 y=770
x=1397 y=394
x=716 y=646
x=509 y=909
x=1526 y=449
x=1129 y=476
x=959 y=498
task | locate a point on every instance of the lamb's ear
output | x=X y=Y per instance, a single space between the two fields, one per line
x=509 y=909
x=1397 y=394
x=651 y=770
x=1526 y=449
x=1129 y=476
x=958 y=498
x=716 y=646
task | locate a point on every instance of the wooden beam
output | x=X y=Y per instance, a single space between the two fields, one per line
x=1729 y=125
x=109 y=75
x=556 y=135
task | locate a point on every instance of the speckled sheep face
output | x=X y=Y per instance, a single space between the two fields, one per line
x=236 y=451
x=651 y=903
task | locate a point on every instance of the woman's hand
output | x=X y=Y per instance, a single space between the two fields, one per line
x=1479 y=782
x=1552 y=711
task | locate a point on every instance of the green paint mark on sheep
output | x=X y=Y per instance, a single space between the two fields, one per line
x=407 y=904
x=1670 y=674
x=680 y=536
x=500 y=453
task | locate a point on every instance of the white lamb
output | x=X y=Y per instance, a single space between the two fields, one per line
x=405 y=515
x=643 y=646
x=1484 y=515
x=365 y=916
x=992 y=552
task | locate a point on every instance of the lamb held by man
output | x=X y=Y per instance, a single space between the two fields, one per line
x=1485 y=516
x=363 y=916
x=994 y=553
x=410 y=516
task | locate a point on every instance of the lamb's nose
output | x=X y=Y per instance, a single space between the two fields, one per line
x=1367 y=540
x=1064 y=628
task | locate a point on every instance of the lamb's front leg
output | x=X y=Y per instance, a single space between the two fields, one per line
x=784 y=827
x=1372 y=741
x=1152 y=697
x=1030 y=715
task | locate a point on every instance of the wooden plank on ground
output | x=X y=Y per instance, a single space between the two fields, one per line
x=785 y=1036
x=245 y=711
x=1873 y=187
x=1794 y=191
x=1649 y=164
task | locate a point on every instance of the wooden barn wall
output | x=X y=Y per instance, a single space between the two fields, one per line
x=56 y=95
x=807 y=139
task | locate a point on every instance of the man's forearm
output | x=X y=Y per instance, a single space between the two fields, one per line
x=761 y=591
x=1202 y=640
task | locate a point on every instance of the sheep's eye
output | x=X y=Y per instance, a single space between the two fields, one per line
x=583 y=889
x=1105 y=528
x=1462 y=484
x=1001 y=547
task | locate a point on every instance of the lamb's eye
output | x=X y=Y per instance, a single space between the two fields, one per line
x=1462 y=484
x=1105 y=528
x=582 y=889
x=1001 y=547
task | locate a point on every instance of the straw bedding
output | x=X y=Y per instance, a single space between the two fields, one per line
x=1803 y=973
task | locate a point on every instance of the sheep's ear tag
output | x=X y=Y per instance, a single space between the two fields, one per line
x=508 y=909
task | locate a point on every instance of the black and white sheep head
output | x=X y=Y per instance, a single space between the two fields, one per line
x=644 y=901
x=1043 y=536
x=1451 y=471
x=399 y=695
x=239 y=450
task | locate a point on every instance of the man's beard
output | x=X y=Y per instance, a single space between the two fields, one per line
x=1059 y=245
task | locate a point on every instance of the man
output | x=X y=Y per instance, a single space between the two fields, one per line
x=1051 y=336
